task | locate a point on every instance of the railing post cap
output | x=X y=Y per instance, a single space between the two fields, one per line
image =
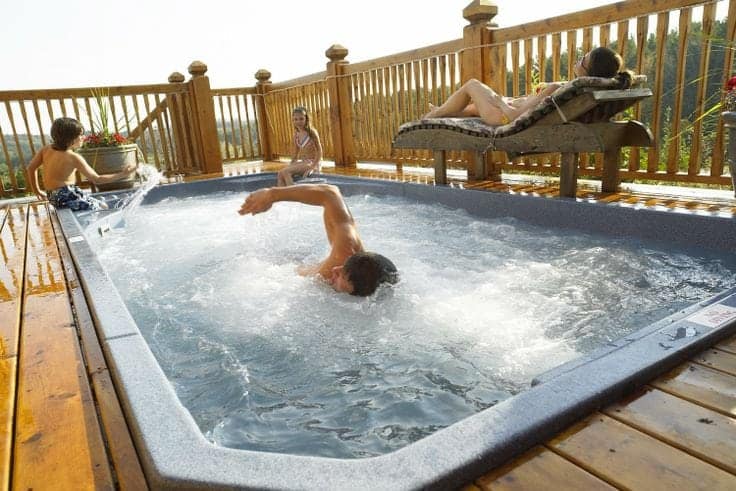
x=336 y=52
x=176 y=77
x=263 y=75
x=197 y=68
x=480 y=11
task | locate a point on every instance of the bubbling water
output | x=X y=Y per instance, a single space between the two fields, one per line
x=268 y=360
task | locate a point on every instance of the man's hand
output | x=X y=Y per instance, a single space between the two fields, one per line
x=257 y=202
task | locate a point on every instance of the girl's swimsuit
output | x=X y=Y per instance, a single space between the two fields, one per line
x=306 y=150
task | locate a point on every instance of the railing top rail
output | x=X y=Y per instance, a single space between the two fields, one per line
x=305 y=80
x=446 y=47
x=235 y=91
x=595 y=16
x=14 y=95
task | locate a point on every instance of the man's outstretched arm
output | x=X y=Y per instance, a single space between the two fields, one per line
x=324 y=195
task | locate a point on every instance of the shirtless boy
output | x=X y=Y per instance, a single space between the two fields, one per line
x=59 y=162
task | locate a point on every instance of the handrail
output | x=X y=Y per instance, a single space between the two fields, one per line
x=605 y=14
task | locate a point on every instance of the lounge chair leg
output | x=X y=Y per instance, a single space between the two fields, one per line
x=440 y=167
x=568 y=175
x=479 y=165
x=609 y=182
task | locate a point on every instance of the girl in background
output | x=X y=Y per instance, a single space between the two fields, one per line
x=306 y=148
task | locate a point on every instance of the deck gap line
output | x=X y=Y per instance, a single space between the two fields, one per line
x=21 y=310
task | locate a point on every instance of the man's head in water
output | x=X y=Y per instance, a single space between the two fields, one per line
x=362 y=273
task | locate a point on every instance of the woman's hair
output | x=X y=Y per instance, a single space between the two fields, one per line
x=64 y=131
x=604 y=62
x=307 y=128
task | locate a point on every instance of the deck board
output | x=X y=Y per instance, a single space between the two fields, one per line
x=57 y=437
x=540 y=468
x=628 y=458
x=122 y=451
x=709 y=388
x=12 y=247
x=717 y=360
x=728 y=345
x=699 y=431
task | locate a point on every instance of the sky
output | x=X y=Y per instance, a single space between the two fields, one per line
x=82 y=43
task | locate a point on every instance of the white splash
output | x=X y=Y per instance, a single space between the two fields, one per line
x=149 y=178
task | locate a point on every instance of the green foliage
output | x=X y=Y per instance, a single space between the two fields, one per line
x=19 y=155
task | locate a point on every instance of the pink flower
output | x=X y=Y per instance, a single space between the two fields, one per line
x=731 y=84
x=104 y=139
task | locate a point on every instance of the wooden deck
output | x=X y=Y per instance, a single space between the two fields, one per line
x=63 y=428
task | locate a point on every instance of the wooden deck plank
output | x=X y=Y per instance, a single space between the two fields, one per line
x=122 y=451
x=12 y=247
x=540 y=468
x=728 y=345
x=698 y=431
x=8 y=370
x=717 y=360
x=57 y=437
x=701 y=385
x=630 y=459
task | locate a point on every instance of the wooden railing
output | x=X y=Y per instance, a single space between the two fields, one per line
x=235 y=111
x=173 y=124
x=685 y=47
x=683 y=114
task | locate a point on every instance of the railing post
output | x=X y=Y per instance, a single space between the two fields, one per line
x=477 y=36
x=204 y=114
x=264 y=133
x=341 y=111
x=481 y=61
x=178 y=124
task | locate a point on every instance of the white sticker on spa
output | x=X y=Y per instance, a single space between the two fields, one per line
x=76 y=238
x=713 y=316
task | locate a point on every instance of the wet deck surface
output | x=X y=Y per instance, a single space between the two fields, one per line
x=63 y=428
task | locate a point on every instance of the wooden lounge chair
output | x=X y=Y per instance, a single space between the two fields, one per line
x=575 y=118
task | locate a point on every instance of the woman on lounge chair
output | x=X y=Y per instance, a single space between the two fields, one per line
x=475 y=98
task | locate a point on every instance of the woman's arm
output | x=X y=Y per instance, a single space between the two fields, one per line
x=521 y=105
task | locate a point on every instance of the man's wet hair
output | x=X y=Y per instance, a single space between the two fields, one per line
x=367 y=270
x=64 y=131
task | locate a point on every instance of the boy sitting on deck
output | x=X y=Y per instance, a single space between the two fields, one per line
x=60 y=161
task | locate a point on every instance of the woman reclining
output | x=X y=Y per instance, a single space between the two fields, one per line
x=475 y=98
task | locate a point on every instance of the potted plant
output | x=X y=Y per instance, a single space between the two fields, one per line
x=105 y=149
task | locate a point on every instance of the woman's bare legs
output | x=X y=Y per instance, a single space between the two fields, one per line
x=472 y=99
x=285 y=175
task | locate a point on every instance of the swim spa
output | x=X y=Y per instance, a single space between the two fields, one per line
x=176 y=452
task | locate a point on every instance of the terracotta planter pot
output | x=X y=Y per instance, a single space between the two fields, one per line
x=109 y=160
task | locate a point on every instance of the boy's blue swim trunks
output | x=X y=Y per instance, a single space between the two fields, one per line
x=73 y=197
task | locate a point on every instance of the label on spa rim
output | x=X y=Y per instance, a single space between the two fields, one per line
x=714 y=315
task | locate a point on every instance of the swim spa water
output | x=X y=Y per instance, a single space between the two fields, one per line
x=267 y=360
